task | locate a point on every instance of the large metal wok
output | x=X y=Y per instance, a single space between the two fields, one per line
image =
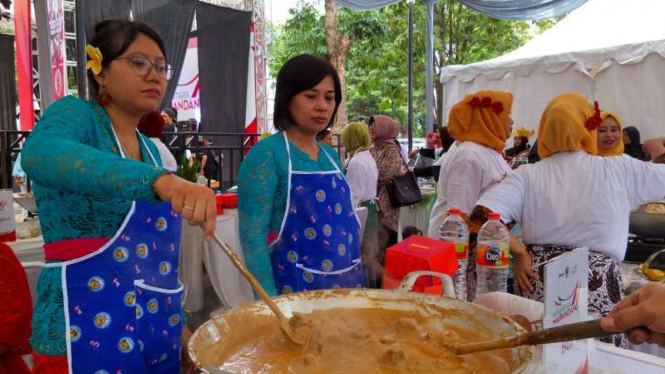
x=208 y=343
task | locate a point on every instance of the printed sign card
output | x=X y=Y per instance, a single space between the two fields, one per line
x=566 y=302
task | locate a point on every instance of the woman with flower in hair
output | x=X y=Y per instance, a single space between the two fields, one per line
x=480 y=124
x=110 y=215
x=571 y=199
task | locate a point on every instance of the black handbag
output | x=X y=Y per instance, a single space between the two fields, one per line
x=403 y=189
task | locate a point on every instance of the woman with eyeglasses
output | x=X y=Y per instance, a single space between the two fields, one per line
x=109 y=298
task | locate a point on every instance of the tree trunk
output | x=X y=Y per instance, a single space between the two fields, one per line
x=338 y=47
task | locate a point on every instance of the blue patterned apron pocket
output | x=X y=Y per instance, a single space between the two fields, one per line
x=311 y=279
x=159 y=326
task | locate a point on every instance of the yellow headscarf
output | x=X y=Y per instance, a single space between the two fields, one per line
x=523 y=132
x=563 y=126
x=482 y=118
x=618 y=149
x=355 y=137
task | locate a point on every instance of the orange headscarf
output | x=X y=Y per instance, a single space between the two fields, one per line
x=482 y=118
x=618 y=149
x=563 y=126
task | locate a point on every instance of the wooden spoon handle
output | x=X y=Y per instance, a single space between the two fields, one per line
x=565 y=333
x=299 y=337
x=250 y=277
x=574 y=331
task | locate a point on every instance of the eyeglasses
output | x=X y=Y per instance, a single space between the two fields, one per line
x=143 y=67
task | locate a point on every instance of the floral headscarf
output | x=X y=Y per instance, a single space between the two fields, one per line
x=569 y=123
x=482 y=118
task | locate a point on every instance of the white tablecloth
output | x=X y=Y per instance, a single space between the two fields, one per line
x=229 y=285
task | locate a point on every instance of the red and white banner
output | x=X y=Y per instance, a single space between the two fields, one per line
x=186 y=98
x=56 y=23
x=24 y=63
x=250 y=105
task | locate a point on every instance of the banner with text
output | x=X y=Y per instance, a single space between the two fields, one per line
x=186 y=97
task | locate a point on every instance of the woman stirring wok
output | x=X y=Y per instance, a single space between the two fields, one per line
x=291 y=190
x=109 y=299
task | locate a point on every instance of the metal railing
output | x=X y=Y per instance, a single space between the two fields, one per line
x=227 y=149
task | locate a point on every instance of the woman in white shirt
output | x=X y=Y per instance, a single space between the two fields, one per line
x=572 y=198
x=362 y=174
x=480 y=123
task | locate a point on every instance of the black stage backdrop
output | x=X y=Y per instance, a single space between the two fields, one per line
x=172 y=19
x=7 y=83
x=223 y=40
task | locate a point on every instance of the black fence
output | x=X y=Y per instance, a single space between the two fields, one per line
x=224 y=150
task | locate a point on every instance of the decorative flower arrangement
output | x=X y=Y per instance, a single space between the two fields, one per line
x=95 y=59
x=486 y=102
x=594 y=121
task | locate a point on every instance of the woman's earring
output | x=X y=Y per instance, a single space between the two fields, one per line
x=103 y=96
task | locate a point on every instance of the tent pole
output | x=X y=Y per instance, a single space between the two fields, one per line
x=410 y=120
x=81 y=57
x=429 y=90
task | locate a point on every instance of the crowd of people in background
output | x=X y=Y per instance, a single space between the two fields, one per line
x=299 y=200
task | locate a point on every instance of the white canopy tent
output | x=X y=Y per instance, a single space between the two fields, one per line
x=612 y=51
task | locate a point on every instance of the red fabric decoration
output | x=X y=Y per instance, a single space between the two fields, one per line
x=486 y=102
x=475 y=102
x=593 y=122
x=497 y=107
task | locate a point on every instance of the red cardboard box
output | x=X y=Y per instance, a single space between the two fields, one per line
x=419 y=253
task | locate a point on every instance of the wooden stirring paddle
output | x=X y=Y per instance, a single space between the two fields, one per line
x=297 y=329
x=574 y=331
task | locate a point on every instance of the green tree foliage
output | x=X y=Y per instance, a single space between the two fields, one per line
x=377 y=63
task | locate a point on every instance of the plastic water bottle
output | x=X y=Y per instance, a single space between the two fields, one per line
x=454 y=230
x=492 y=256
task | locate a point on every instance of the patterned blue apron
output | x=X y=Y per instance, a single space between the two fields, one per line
x=123 y=302
x=318 y=245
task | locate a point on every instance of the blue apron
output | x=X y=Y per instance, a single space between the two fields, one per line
x=318 y=246
x=123 y=302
